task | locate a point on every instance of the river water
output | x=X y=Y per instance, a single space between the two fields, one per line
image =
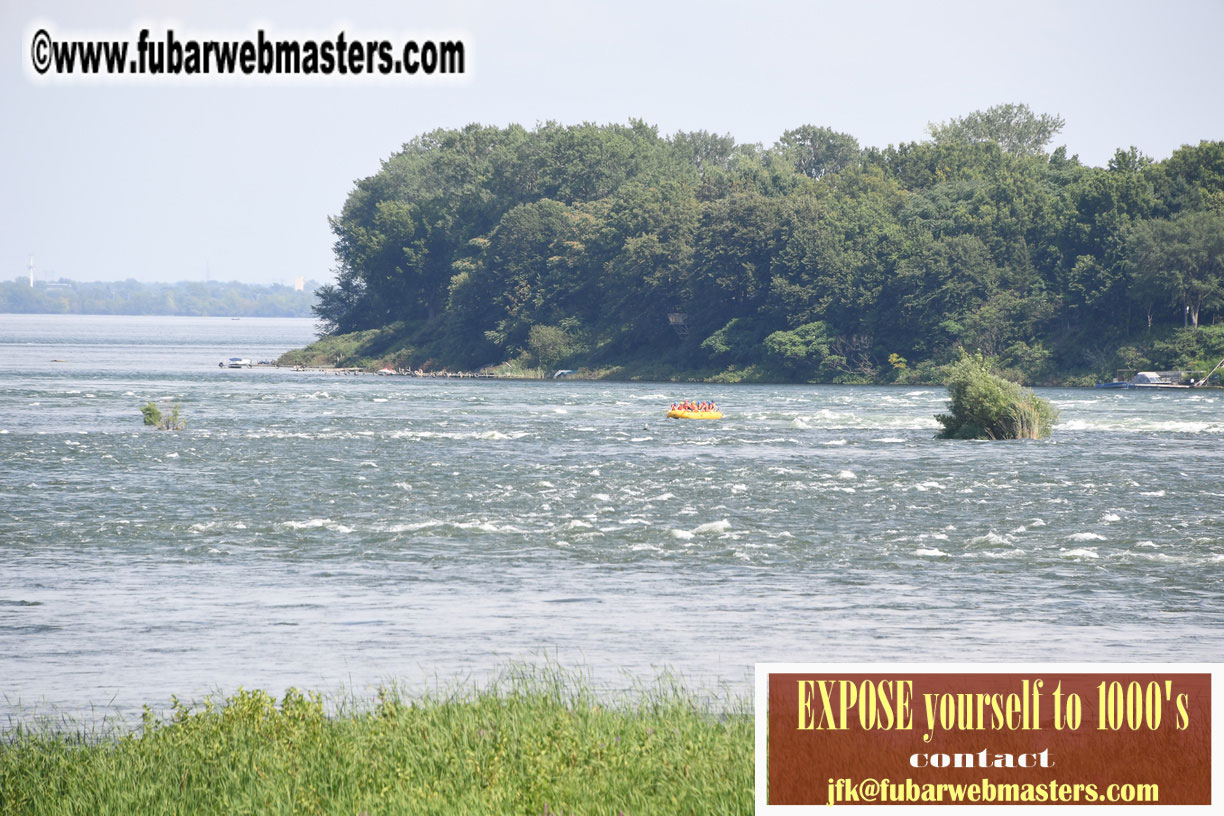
x=335 y=532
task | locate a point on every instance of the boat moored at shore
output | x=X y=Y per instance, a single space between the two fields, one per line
x=1177 y=380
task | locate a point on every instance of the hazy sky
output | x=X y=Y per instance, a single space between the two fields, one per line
x=164 y=182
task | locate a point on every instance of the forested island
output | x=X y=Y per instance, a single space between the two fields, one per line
x=616 y=250
x=131 y=297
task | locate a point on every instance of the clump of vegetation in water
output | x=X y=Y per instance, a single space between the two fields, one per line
x=163 y=422
x=986 y=406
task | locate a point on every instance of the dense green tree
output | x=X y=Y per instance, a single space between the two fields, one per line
x=1014 y=128
x=1192 y=178
x=1181 y=258
x=704 y=151
x=815 y=151
x=737 y=342
x=552 y=344
x=737 y=241
x=810 y=259
x=645 y=249
x=802 y=350
x=512 y=279
x=1090 y=278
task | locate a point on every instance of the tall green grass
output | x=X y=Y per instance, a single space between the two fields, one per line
x=536 y=742
x=983 y=405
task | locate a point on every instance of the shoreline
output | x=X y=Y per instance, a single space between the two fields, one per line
x=407 y=346
x=581 y=375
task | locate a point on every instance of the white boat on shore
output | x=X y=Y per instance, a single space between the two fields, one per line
x=1179 y=380
x=1148 y=379
x=235 y=362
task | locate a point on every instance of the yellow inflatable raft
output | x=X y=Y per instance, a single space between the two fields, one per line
x=678 y=414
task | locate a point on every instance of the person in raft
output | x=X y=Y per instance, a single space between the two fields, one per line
x=689 y=405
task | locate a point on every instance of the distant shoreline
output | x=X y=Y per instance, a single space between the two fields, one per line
x=180 y=299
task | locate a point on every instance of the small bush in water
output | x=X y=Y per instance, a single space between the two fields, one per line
x=985 y=406
x=153 y=416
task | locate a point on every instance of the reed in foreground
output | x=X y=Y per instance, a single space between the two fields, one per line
x=530 y=748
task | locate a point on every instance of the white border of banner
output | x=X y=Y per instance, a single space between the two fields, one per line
x=763 y=670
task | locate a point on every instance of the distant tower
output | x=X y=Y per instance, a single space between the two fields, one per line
x=30 y=269
x=299 y=283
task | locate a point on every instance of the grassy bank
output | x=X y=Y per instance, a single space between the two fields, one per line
x=530 y=745
x=407 y=346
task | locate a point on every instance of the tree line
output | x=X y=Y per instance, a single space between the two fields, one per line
x=814 y=259
x=131 y=297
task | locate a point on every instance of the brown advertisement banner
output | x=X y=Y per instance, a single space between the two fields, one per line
x=1037 y=738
